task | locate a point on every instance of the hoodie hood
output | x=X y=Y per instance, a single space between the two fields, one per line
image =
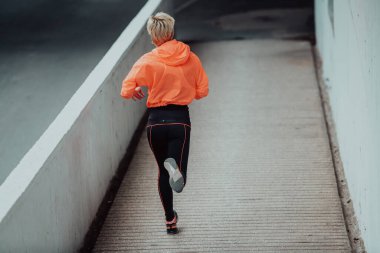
x=172 y=52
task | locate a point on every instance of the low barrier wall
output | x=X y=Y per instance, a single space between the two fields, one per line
x=348 y=33
x=49 y=200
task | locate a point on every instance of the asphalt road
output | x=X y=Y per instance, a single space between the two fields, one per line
x=198 y=20
x=47 y=49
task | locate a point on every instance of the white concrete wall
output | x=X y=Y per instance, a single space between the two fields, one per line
x=349 y=47
x=49 y=200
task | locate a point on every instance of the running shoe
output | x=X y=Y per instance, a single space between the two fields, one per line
x=176 y=180
x=171 y=226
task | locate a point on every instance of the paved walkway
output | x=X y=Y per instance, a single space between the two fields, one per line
x=261 y=178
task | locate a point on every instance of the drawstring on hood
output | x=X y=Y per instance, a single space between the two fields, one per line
x=172 y=53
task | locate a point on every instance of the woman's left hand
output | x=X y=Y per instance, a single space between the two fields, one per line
x=138 y=94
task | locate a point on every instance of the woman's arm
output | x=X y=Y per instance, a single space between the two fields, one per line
x=132 y=82
x=128 y=88
x=202 y=81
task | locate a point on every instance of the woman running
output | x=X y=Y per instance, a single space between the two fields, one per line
x=174 y=76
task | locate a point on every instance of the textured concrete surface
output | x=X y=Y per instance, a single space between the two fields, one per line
x=261 y=177
x=47 y=49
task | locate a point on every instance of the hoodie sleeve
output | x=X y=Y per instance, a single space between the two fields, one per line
x=136 y=77
x=202 y=81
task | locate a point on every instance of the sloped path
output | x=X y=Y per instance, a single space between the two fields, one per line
x=260 y=175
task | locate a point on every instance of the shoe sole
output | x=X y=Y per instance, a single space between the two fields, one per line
x=176 y=180
x=173 y=232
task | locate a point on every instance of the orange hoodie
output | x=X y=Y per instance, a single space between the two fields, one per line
x=172 y=73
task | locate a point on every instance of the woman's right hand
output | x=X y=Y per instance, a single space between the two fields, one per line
x=138 y=94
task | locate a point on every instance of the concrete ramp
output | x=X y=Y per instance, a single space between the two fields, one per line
x=260 y=176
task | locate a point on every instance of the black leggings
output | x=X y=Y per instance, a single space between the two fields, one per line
x=168 y=133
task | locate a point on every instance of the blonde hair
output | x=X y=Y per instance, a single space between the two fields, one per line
x=160 y=28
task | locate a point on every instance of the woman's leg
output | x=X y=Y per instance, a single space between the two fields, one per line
x=178 y=146
x=157 y=137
